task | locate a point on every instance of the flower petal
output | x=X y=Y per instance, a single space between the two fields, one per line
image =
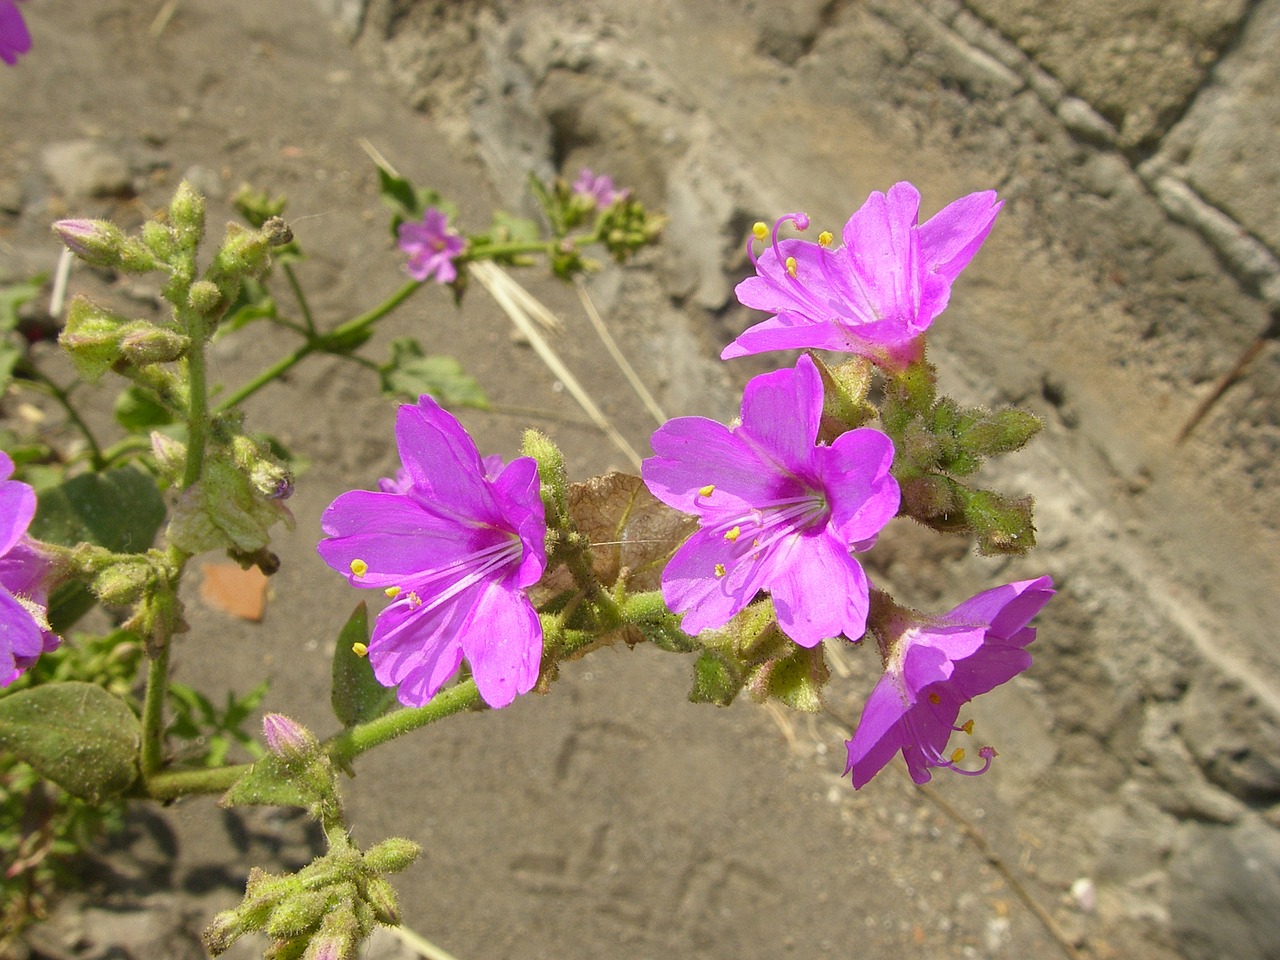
x=780 y=415
x=502 y=639
x=818 y=565
x=416 y=648
x=879 y=734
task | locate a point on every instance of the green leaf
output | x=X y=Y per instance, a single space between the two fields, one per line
x=397 y=192
x=138 y=411
x=121 y=510
x=269 y=782
x=410 y=373
x=76 y=734
x=357 y=696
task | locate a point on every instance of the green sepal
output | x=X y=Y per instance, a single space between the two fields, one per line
x=357 y=696
x=270 y=782
x=75 y=734
x=716 y=679
x=796 y=679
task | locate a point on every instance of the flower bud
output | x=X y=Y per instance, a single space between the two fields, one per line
x=716 y=679
x=551 y=472
x=186 y=214
x=391 y=855
x=287 y=738
x=381 y=896
x=145 y=345
x=205 y=298
x=298 y=914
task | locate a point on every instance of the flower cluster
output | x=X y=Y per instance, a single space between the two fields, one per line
x=15 y=39
x=24 y=625
x=784 y=501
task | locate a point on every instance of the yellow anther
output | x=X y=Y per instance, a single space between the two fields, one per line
x=958 y=755
x=359 y=649
x=760 y=230
x=392 y=592
x=967 y=726
x=825 y=238
x=734 y=534
x=791 y=266
x=934 y=698
x=706 y=491
x=359 y=568
x=720 y=570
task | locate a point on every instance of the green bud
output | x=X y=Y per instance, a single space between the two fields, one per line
x=288 y=739
x=170 y=454
x=205 y=298
x=145 y=344
x=1001 y=432
x=1003 y=526
x=391 y=855
x=160 y=240
x=298 y=914
x=124 y=581
x=915 y=387
x=101 y=243
x=928 y=497
x=716 y=679
x=551 y=472
x=267 y=474
x=186 y=214
x=92 y=338
x=381 y=897
x=224 y=930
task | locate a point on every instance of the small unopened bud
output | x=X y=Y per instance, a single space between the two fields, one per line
x=204 y=297
x=170 y=453
x=186 y=213
x=287 y=738
x=716 y=679
x=391 y=855
x=298 y=914
x=222 y=932
x=928 y=497
x=96 y=242
x=147 y=344
x=551 y=471
x=381 y=896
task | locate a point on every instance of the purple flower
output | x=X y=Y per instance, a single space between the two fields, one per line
x=454 y=547
x=432 y=247
x=933 y=666
x=777 y=511
x=873 y=296
x=24 y=625
x=599 y=188
x=15 y=40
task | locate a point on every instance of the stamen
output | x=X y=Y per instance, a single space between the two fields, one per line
x=706 y=491
x=414 y=599
x=760 y=229
x=934 y=698
x=732 y=535
x=360 y=649
x=359 y=568
x=957 y=755
x=966 y=727
x=791 y=266
x=392 y=592
x=720 y=571
x=825 y=238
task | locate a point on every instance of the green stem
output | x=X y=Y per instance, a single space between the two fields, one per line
x=41 y=381
x=296 y=287
x=198 y=405
x=348 y=329
x=342 y=748
x=513 y=248
x=153 y=712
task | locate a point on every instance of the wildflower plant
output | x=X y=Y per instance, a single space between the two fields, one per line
x=739 y=544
